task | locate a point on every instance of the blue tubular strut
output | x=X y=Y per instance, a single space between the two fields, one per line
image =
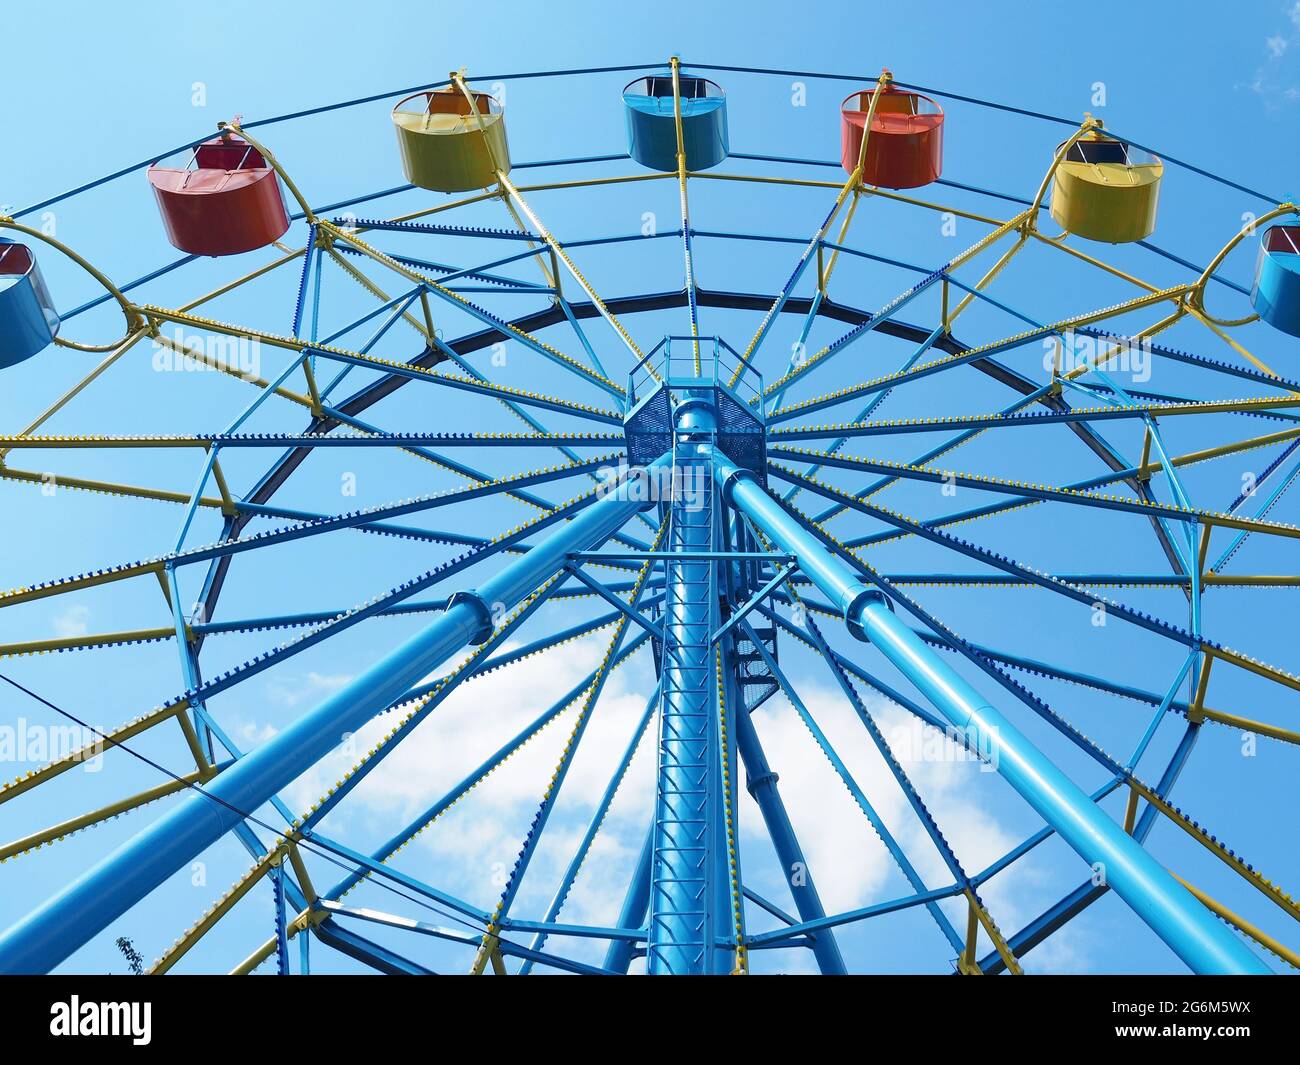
x=50 y=933
x=1190 y=930
x=762 y=786
x=619 y=955
x=1078 y=900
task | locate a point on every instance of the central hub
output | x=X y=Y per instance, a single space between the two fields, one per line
x=685 y=373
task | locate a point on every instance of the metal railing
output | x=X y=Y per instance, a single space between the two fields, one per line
x=685 y=362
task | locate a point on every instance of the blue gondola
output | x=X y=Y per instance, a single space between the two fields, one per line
x=652 y=130
x=1276 y=294
x=28 y=320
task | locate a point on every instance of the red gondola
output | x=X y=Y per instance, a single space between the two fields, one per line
x=229 y=202
x=905 y=149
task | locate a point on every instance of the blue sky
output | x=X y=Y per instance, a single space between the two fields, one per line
x=1215 y=89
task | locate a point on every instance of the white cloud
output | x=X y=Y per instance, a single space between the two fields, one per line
x=253 y=734
x=477 y=841
x=74 y=621
x=848 y=861
x=1276 y=78
x=474 y=845
x=309 y=688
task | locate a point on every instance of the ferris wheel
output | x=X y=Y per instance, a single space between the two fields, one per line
x=702 y=480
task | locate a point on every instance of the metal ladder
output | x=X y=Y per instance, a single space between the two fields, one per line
x=679 y=937
x=756 y=682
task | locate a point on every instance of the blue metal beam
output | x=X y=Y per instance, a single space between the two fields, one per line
x=863 y=803
x=1078 y=900
x=1189 y=929
x=779 y=936
x=761 y=782
x=635 y=904
x=53 y=931
x=367 y=951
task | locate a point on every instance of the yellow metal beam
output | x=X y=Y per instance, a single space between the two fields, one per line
x=1241 y=924
x=1262 y=669
x=104 y=813
x=60 y=480
x=81 y=643
x=1130 y=811
x=72 y=584
x=134 y=321
x=215 y=363
x=218 y=910
x=423 y=279
x=76 y=389
x=1238 y=865
x=33 y=777
x=252 y=275
x=967 y=963
x=1000 y=944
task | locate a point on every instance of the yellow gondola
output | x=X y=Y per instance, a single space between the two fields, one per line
x=1106 y=190
x=447 y=146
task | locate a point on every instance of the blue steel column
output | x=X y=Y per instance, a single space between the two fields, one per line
x=1172 y=912
x=762 y=786
x=619 y=955
x=50 y=933
x=683 y=899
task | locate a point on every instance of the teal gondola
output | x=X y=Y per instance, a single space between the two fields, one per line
x=28 y=320
x=1276 y=293
x=652 y=128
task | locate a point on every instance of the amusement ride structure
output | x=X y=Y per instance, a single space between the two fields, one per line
x=710 y=521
